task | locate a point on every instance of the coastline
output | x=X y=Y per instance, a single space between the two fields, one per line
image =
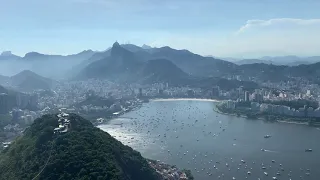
x=292 y=122
x=204 y=100
x=260 y=118
x=137 y=106
x=185 y=99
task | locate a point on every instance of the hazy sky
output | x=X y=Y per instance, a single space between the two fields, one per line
x=227 y=28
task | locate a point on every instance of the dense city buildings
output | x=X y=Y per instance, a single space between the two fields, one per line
x=4 y=106
x=101 y=99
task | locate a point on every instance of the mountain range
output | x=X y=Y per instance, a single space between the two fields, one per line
x=129 y=63
x=190 y=63
x=277 y=60
x=68 y=66
x=53 y=66
x=83 y=152
x=123 y=65
x=155 y=66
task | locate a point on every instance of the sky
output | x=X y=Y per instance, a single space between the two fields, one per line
x=221 y=28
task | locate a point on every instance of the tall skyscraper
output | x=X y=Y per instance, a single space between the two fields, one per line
x=140 y=92
x=216 y=91
x=308 y=93
x=33 y=102
x=240 y=93
x=22 y=100
x=258 y=97
x=4 y=103
x=246 y=96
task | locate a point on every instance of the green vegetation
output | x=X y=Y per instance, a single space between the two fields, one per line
x=188 y=173
x=96 y=101
x=245 y=111
x=248 y=113
x=84 y=152
x=296 y=104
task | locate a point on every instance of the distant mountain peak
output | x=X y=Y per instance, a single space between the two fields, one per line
x=88 y=50
x=28 y=81
x=32 y=54
x=116 y=44
x=26 y=72
x=6 y=53
x=144 y=46
x=117 y=50
x=166 y=47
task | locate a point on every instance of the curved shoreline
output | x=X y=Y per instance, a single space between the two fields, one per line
x=185 y=99
x=260 y=118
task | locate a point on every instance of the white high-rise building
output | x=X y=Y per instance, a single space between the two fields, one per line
x=308 y=93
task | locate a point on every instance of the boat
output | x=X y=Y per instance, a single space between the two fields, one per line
x=267 y=136
x=265 y=173
x=308 y=150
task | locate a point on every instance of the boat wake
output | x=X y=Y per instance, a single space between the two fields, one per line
x=266 y=150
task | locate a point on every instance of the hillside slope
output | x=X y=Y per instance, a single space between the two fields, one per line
x=125 y=66
x=84 y=152
x=28 y=81
x=162 y=70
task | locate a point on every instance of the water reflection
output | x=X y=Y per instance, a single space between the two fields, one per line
x=191 y=135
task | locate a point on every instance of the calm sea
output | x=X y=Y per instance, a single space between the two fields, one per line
x=191 y=135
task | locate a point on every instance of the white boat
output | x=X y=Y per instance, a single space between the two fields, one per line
x=267 y=136
x=265 y=173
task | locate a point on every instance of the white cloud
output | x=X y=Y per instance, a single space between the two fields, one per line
x=278 y=23
x=280 y=36
x=274 y=37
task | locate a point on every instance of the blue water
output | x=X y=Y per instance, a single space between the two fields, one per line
x=191 y=135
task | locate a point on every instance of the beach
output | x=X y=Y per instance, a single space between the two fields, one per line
x=186 y=99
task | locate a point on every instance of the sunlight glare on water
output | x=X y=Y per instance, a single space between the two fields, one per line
x=191 y=135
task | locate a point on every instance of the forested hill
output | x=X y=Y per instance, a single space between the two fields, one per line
x=84 y=152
